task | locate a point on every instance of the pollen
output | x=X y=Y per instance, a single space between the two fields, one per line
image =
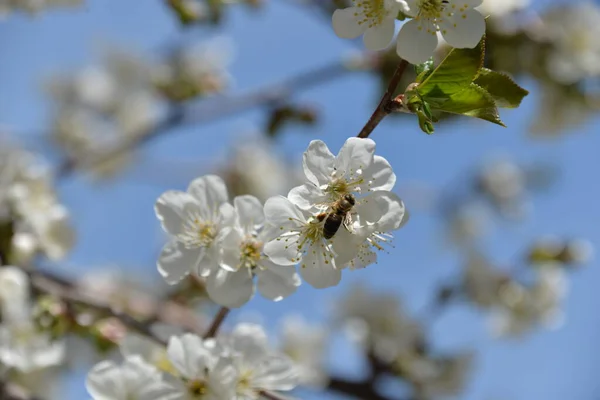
x=197 y=232
x=197 y=388
x=373 y=11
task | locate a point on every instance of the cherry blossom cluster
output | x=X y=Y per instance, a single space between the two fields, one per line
x=458 y=22
x=100 y=107
x=30 y=208
x=23 y=347
x=239 y=365
x=337 y=219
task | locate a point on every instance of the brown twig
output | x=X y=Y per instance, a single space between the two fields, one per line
x=68 y=293
x=384 y=107
x=363 y=390
x=216 y=323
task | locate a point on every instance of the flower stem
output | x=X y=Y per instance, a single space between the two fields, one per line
x=216 y=324
x=384 y=106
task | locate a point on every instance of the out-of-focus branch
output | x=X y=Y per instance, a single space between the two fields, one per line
x=11 y=391
x=68 y=293
x=213 y=110
x=384 y=107
x=363 y=390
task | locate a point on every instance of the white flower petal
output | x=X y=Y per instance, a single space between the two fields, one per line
x=171 y=209
x=210 y=191
x=385 y=210
x=317 y=162
x=416 y=41
x=229 y=256
x=230 y=289
x=463 y=30
x=380 y=176
x=356 y=154
x=176 y=261
x=307 y=196
x=318 y=270
x=379 y=36
x=250 y=212
x=189 y=355
x=103 y=382
x=275 y=282
x=283 y=250
x=280 y=212
x=346 y=23
x=276 y=372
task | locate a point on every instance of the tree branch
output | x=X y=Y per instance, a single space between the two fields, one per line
x=213 y=110
x=359 y=390
x=216 y=324
x=384 y=106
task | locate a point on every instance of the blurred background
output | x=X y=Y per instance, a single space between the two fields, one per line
x=489 y=291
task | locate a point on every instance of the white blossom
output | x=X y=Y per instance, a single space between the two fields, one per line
x=524 y=307
x=301 y=240
x=357 y=172
x=379 y=214
x=242 y=259
x=379 y=323
x=375 y=19
x=459 y=23
x=195 y=221
x=203 y=371
x=22 y=345
x=306 y=345
x=572 y=32
x=133 y=380
x=41 y=224
x=258 y=366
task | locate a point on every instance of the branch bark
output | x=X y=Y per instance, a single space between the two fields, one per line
x=216 y=323
x=384 y=108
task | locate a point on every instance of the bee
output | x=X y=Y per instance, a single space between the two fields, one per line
x=340 y=213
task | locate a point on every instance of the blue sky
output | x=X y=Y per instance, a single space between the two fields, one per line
x=116 y=223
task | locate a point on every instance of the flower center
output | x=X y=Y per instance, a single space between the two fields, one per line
x=250 y=253
x=197 y=388
x=431 y=8
x=373 y=11
x=198 y=233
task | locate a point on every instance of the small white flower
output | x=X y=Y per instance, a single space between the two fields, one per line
x=133 y=380
x=258 y=366
x=22 y=345
x=301 y=240
x=358 y=172
x=195 y=220
x=203 y=372
x=373 y=18
x=459 y=23
x=306 y=345
x=242 y=259
x=355 y=170
x=134 y=345
x=525 y=307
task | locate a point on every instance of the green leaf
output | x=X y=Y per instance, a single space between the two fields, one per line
x=501 y=87
x=456 y=72
x=473 y=101
x=424 y=70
